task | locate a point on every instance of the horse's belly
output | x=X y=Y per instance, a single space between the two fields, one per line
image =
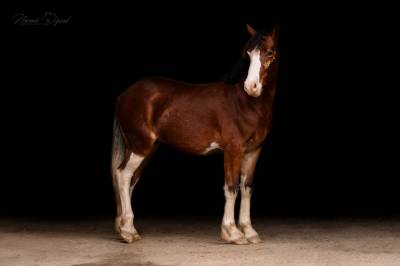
x=192 y=139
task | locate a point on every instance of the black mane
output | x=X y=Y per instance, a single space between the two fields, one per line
x=239 y=69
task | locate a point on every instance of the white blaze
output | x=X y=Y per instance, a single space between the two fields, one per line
x=252 y=84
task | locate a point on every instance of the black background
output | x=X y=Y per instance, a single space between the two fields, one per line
x=332 y=150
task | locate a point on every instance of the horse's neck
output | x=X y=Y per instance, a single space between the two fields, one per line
x=268 y=94
x=262 y=105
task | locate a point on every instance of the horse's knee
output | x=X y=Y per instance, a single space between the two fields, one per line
x=232 y=187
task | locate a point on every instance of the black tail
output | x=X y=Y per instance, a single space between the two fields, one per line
x=118 y=148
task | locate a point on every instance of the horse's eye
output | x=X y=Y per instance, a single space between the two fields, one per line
x=269 y=53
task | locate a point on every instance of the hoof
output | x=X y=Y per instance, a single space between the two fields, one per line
x=250 y=234
x=130 y=237
x=240 y=241
x=254 y=239
x=136 y=237
x=236 y=237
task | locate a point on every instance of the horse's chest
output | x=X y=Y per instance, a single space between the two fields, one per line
x=256 y=139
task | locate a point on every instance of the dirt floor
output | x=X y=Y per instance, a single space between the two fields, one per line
x=196 y=242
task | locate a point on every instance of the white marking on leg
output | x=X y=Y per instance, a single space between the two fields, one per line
x=124 y=178
x=244 y=215
x=229 y=211
x=118 y=202
x=252 y=84
x=213 y=146
x=248 y=166
x=229 y=231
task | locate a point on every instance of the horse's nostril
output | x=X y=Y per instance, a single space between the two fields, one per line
x=251 y=87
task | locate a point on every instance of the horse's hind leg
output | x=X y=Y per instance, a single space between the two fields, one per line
x=124 y=186
x=139 y=170
x=125 y=181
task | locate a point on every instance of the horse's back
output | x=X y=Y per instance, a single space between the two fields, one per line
x=151 y=93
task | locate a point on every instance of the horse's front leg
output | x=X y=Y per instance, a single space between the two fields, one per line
x=232 y=161
x=246 y=181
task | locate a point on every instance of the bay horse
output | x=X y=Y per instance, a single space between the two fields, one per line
x=227 y=116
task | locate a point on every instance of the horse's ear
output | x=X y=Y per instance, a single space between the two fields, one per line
x=275 y=33
x=251 y=30
x=272 y=38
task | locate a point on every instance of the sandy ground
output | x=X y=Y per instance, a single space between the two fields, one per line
x=196 y=242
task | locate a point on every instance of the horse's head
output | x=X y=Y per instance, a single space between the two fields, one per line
x=263 y=54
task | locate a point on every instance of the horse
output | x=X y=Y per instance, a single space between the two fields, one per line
x=232 y=116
